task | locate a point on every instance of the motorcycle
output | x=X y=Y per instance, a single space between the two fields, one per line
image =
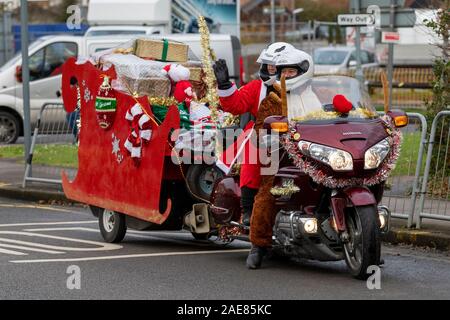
x=327 y=188
x=330 y=179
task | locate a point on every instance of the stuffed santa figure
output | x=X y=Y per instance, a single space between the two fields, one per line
x=179 y=75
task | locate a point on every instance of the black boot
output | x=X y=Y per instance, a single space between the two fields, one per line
x=247 y=199
x=255 y=257
x=246 y=218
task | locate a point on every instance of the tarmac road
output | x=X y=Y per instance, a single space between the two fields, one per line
x=44 y=248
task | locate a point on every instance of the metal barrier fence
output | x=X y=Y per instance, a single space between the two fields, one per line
x=53 y=146
x=404 y=182
x=434 y=200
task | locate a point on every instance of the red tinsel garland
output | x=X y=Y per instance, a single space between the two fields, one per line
x=319 y=176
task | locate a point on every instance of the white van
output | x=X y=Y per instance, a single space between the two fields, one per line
x=46 y=56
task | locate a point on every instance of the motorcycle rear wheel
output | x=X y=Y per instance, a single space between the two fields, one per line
x=364 y=245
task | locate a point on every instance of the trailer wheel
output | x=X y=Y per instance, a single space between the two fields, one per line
x=112 y=225
x=201 y=179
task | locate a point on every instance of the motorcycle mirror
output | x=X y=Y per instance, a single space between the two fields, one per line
x=276 y=123
x=399 y=117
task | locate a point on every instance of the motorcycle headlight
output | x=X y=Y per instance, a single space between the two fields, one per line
x=338 y=160
x=376 y=154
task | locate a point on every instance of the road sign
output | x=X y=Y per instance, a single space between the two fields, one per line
x=404 y=18
x=359 y=19
x=364 y=4
x=390 y=37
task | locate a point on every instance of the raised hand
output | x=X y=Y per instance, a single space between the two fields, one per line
x=222 y=75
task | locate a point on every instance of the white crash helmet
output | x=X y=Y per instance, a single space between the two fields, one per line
x=299 y=60
x=269 y=56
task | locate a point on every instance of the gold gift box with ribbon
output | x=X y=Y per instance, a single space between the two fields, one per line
x=162 y=50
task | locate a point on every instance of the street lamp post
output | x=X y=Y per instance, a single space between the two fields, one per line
x=25 y=77
x=272 y=21
x=294 y=13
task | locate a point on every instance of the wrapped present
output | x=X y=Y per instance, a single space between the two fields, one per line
x=196 y=74
x=153 y=87
x=163 y=50
x=196 y=70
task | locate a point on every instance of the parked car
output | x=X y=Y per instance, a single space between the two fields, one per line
x=335 y=60
x=46 y=56
x=124 y=30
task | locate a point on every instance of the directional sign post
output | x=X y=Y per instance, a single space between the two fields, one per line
x=383 y=14
x=354 y=20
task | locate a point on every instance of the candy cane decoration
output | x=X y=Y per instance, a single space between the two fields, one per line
x=140 y=131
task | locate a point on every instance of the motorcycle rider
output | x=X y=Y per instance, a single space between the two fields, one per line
x=248 y=99
x=298 y=69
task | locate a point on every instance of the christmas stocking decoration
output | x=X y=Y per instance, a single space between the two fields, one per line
x=105 y=104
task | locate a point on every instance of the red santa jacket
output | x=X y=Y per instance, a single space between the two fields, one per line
x=246 y=99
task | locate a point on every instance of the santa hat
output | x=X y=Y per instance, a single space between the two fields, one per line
x=166 y=69
x=176 y=72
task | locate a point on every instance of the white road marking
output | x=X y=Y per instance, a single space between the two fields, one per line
x=16 y=253
x=29 y=206
x=130 y=233
x=100 y=246
x=47 y=223
x=4 y=245
x=130 y=256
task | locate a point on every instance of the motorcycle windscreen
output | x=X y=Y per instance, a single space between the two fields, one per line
x=107 y=175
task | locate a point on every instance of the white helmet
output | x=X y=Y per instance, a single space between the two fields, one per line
x=269 y=56
x=299 y=60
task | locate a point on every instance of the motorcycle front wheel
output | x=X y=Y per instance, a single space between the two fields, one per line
x=364 y=244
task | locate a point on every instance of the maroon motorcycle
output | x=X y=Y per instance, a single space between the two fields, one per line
x=334 y=157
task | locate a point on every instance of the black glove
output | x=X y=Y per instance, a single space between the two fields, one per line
x=222 y=76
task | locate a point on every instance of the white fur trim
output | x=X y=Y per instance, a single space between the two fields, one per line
x=146 y=134
x=262 y=93
x=178 y=72
x=228 y=92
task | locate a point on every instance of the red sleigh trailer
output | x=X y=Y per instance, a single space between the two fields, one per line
x=119 y=192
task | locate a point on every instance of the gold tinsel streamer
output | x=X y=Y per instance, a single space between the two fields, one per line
x=210 y=79
x=358 y=113
x=287 y=190
x=162 y=101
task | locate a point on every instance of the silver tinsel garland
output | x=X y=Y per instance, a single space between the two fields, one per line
x=319 y=176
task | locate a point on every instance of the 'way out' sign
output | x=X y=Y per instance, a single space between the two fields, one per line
x=359 y=19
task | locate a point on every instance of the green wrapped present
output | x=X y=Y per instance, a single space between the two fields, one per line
x=160 y=113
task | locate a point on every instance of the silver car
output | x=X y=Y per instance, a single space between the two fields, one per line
x=340 y=60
